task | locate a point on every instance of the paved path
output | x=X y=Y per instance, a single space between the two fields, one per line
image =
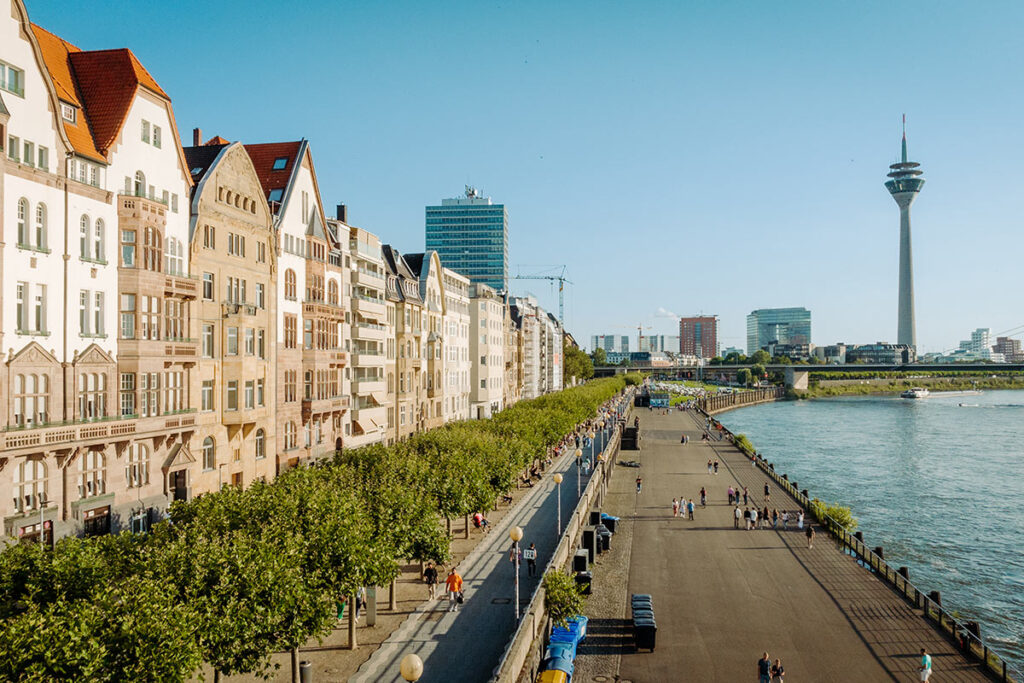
x=467 y=645
x=723 y=596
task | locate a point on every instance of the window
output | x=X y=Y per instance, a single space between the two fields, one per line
x=39 y=309
x=206 y=395
x=92 y=396
x=260 y=394
x=207 y=340
x=127 y=316
x=332 y=293
x=209 y=237
x=289 y=386
x=13 y=147
x=149 y=390
x=173 y=252
x=136 y=469
x=260 y=444
x=29 y=485
x=145 y=130
x=275 y=195
x=156 y=136
x=289 y=331
x=261 y=343
x=174 y=202
x=149 y=320
x=68 y=112
x=260 y=295
x=94 y=178
x=127 y=394
x=279 y=163
x=250 y=394
x=307 y=385
x=139 y=186
x=236 y=245
x=231 y=400
x=44 y=158
x=28 y=158
x=83 y=236
x=83 y=312
x=40 y=226
x=289 y=436
x=98 y=312
x=261 y=252
x=152 y=246
x=307 y=333
x=22 y=222
x=209 y=454
x=173 y=391
x=31 y=395
x=128 y=248
x=208 y=286
x=250 y=341
x=12 y=80
x=305 y=206
x=91 y=470
x=232 y=349
x=289 y=284
x=99 y=242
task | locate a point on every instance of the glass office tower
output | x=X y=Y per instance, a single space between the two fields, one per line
x=470 y=234
x=781 y=325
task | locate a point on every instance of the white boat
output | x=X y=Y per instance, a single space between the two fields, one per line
x=916 y=392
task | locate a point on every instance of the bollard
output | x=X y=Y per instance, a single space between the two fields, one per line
x=305 y=672
x=880 y=552
x=786 y=477
x=859 y=536
x=936 y=597
x=974 y=627
x=804 y=493
x=904 y=572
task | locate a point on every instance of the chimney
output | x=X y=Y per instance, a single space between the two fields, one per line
x=342 y=213
x=197 y=137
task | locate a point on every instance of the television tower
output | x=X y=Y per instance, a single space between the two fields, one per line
x=904 y=183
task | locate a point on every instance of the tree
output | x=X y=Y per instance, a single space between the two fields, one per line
x=576 y=364
x=717 y=360
x=757 y=372
x=562 y=597
x=759 y=356
x=599 y=357
x=743 y=376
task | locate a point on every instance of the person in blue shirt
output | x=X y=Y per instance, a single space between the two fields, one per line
x=764 y=669
x=926 y=665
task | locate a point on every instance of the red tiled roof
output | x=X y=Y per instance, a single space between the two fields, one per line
x=263 y=157
x=57 y=55
x=216 y=140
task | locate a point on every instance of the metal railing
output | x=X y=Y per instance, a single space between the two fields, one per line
x=963 y=637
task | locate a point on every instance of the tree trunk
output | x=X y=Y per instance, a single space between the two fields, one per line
x=448 y=523
x=216 y=676
x=295 y=665
x=392 y=597
x=352 y=645
x=467 y=526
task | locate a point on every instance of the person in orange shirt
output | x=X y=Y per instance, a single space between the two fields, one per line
x=454 y=585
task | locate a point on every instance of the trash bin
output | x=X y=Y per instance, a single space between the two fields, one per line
x=585 y=580
x=606 y=541
x=641 y=613
x=595 y=516
x=559 y=650
x=640 y=597
x=609 y=521
x=590 y=542
x=645 y=634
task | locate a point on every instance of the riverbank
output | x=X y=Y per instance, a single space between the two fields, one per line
x=883 y=386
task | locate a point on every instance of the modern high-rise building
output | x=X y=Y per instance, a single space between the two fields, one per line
x=780 y=325
x=1010 y=349
x=660 y=342
x=611 y=343
x=470 y=234
x=698 y=336
x=904 y=183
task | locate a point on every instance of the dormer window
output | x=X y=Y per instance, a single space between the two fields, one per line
x=68 y=112
x=197 y=170
x=279 y=164
x=275 y=195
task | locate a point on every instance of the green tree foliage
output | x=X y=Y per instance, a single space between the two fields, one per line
x=760 y=356
x=599 y=357
x=743 y=376
x=562 y=596
x=576 y=364
x=840 y=513
x=757 y=372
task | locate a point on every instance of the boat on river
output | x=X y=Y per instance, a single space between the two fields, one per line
x=916 y=392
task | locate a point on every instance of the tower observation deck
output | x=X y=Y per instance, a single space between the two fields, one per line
x=904 y=184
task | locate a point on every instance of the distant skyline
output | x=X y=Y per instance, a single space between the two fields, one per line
x=711 y=157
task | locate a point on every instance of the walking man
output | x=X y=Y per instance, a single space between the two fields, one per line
x=810 y=541
x=675 y=507
x=454 y=585
x=430 y=576
x=689 y=508
x=785 y=520
x=926 y=665
x=639 y=484
x=764 y=669
x=531 y=560
x=767 y=493
x=737 y=514
x=745 y=495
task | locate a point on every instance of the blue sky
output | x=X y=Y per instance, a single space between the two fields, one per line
x=712 y=157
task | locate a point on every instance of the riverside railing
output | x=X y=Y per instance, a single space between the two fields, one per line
x=967 y=640
x=534 y=619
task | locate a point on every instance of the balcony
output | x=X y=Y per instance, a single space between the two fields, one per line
x=368 y=360
x=318 y=406
x=77 y=433
x=244 y=416
x=368 y=279
x=141 y=208
x=324 y=357
x=181 y=349
x=319 y=309
x=369 y=331
x=172 y=350
x=181 y=286
x=370 y=385
x=372 y=308
x=234 y=308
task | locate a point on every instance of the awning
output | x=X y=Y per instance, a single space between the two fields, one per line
x=380 y=397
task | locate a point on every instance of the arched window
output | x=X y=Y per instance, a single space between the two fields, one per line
x=83 y=236
x=289 y=436
x=40 y=226
x=29 y=485
x=332 y=292
x=209 y=454
x=230 y=197
x=100 y=241
x=136 y=470
x=140 y=184
x=91 y=477
x=23 y=222
x=261 y=444
x=289 y=284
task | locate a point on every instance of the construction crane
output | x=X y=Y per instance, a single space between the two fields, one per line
x=560 y=278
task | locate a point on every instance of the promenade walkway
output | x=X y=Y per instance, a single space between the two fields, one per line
x=723 y=596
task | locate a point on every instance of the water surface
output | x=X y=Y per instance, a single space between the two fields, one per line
x=937 y=482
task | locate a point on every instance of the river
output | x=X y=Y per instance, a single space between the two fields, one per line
x=937 y=482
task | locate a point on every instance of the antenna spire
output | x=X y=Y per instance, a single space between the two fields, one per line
x=904 y=138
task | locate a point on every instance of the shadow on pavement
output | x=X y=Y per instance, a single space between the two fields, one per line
x=608 y=637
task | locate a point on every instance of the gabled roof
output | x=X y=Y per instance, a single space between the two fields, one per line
x=200 y=159
x=263 y=156
x=57 y=55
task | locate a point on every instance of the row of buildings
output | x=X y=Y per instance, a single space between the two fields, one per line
x=178 y=318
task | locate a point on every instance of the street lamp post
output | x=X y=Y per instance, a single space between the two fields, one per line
x=593 y=445
x=579 y=458
x=558 y=489
x=516 y=534
x=411 y=667
x=42 y=523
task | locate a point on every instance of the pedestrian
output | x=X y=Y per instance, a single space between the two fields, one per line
x=746 y=518
x=764 y=669
x=430 y=576
x=731 y=494
x=675 y=507
x=639 y=484
x=777 y=671
x=764 y=517
x=810 y=538
x=767 y=493
x=531 y=560
x=703 y=497
x=360 y=600
x=926 y=665
x=800 y=519
x=785 y=520
x=710 y=466
x=753 y=518
x=682 y=439
x=737 y=514
x=689 y=508
x=745 y=495
x=513 y=555
x=716 y=467
x=775 y=519
x=454 y=586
